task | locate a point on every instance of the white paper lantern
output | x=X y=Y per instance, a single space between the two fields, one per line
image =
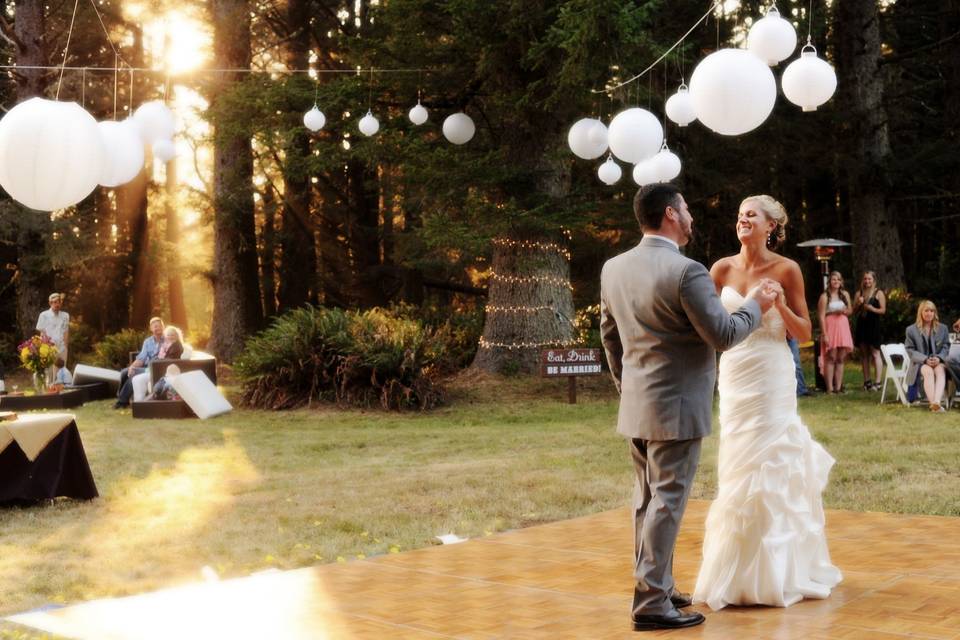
x=733 y=91
x=809 y=81
x=679 y=107
x=666 y=165
x=609 y=172
x=772 y=38
x=645 y=173
x=123 y=149
x=587 y=138
x=459 y=128
x=155 y=121
x=164 y=150
x=418 y=114
x=369 y=124
x=51 y=154
x=314 y=119
x=635 y=135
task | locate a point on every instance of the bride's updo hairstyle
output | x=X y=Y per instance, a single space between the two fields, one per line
x=775 y=211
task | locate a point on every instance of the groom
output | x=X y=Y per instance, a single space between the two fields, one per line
x=661 y=322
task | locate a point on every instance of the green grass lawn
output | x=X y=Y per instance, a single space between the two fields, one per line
x=254 y=490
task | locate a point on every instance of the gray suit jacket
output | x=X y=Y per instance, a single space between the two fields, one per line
x=661 y=322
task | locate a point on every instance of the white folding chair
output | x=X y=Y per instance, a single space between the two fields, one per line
x=893 y=372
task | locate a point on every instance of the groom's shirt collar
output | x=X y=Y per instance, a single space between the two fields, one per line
x=664 y=238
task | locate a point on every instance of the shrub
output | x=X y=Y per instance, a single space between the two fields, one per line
x=348 y=357
x=459 y=332
x=82 y=340
x=113 y=351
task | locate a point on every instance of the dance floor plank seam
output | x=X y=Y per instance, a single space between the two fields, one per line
x=566 y=579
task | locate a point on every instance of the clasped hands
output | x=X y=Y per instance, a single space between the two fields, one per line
x=766 y=292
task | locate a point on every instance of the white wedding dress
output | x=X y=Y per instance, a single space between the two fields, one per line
x=764 y=542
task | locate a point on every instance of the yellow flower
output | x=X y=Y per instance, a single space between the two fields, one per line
x=44 y=350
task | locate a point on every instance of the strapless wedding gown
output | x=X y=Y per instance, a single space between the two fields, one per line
x=764 y=542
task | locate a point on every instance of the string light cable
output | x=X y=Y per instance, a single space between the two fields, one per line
x=529 y=244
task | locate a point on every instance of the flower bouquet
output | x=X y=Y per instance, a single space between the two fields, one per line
x=37 y=354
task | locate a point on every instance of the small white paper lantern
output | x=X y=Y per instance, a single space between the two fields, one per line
x=164 y=150
x=772 y=38
x=369 y=124
x=809 y=81
x=51 y=154
x=123 y=148
x=609 y=172
x=733 y=91
x=666 y=165
x=314 y=119
x=679 y=107
x=645 y=173
x=587 y=138
x=635 y=135
x=155 y=121
x=418 y=114
x=458 y=128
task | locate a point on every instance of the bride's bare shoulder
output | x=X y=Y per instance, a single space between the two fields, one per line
x=723 y=266
x=788 y=267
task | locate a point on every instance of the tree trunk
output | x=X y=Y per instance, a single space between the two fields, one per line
x=364 y=235
x=298 y=257
x=268 y=243
x=132 y=204
x=866 y=152
x=178 y=308
x=236 y=297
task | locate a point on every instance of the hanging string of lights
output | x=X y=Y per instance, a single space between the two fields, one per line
x=486 y=344
x=518 y=309
x=530 y=244
x=562 y=282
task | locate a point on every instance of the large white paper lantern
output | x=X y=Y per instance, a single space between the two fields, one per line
x=164 y=150
x=733 y=91
x=314 y=119
x=809 y=81
x=609 y=172
x=587 y=138
x=772 y=38
x=51 y=154
x=645 y=173
x=369 y=124
x=155 y=121
x=635 y=135
x=123 y=149
x=666 y=165
x=418 y=114
x=458 y=128
x=679 y=107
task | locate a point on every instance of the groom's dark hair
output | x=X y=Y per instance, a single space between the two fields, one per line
x=651 y=202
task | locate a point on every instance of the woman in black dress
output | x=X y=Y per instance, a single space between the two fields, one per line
x=869 y=304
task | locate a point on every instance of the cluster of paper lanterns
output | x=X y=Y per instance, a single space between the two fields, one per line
x=458 y=128
x=732 y=91
x=54 y=154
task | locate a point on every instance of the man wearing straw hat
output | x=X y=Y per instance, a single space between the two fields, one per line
x=55 y=324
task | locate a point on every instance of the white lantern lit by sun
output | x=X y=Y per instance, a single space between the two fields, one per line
x=369 y=125
x=635 y=135
x=609 y=172
x=155 y=121
x=314 y=119
x=809 y=81
x=733 y=91
x=587 y=138
x=772 y=38
x=459 y=128
x=51 y=154
x=679 y=107
x=164 y=150
x=645 y=173
x=123 y=149
x=418 y=114
x=666 y=165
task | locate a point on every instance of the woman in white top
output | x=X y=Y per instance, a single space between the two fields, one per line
x=836 y=341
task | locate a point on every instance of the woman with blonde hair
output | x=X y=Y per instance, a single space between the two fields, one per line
x=869 y=303
x=928 y=345
x=836 y=341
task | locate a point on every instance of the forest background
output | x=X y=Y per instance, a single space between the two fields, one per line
x=505 y=235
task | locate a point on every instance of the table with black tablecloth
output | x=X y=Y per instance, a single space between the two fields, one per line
x=42 y=457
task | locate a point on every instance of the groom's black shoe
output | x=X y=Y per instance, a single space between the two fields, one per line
x=672 y=620
x=681 y=600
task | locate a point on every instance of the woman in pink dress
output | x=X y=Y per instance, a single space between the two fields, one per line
x=836 y=341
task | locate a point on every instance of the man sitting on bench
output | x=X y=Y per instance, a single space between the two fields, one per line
x=149 y=353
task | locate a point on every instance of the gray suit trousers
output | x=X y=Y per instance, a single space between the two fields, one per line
x=665 y=471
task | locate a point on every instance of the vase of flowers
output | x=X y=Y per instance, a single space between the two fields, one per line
x=37 y=354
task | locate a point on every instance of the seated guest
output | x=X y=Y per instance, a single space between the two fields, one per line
x=170 y=349
x=164 y=390
x=148 y=353
x=928 y=344
x=63 y=374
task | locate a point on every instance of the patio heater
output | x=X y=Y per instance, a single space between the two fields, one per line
x=823 y=248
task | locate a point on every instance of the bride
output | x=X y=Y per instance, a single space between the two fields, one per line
x=765 y=541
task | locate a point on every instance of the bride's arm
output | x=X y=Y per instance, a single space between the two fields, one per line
x=718 y=273
x=792 y=305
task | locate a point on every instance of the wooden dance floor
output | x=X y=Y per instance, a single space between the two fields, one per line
x=568 y=579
